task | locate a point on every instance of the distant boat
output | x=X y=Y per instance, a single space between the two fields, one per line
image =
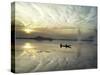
x=66 y=45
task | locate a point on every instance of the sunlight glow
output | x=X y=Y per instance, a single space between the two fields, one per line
x=28 y=30
x=27 y=46
x=28 y=49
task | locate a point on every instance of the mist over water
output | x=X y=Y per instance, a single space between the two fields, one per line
x=32 y=55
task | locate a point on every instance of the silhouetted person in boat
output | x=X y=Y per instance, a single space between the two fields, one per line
x=66 y=46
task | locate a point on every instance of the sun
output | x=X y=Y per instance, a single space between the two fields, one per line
x=28 y=30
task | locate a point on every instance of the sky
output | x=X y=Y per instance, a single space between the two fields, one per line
x=54 y=20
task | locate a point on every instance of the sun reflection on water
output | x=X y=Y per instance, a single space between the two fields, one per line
x=29 y=49
x=27 y=45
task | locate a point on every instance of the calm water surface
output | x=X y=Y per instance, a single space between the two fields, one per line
x=32 y=55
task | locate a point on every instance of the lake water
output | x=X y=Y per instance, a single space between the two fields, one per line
x=33 y=56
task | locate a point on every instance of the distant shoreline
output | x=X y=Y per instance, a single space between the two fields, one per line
x=50 y=39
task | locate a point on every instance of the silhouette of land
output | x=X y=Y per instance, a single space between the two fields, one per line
x=41 y=38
